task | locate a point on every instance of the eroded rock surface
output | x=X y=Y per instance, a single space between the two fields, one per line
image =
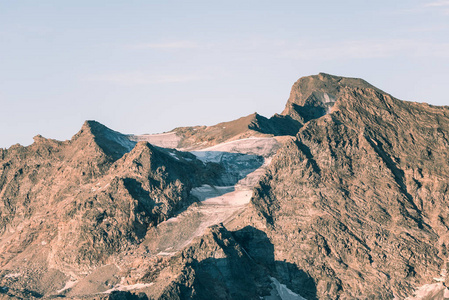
x=342 y=196
x=359 y=200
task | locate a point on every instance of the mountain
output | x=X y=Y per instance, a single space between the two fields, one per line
x=359 y=200
x=198 y=137
x=341 y=196
x=70 y=206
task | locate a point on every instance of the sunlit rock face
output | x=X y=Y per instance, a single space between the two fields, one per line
x=359 y=200
x=342 y=196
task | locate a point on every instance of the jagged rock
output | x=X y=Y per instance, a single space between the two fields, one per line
x=352 y=206
x=71 y=206
x=359 y=200
x=216 y=266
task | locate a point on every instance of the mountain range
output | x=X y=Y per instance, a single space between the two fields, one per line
x=343 y=195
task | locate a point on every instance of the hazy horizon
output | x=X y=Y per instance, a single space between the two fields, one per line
x=148 y=67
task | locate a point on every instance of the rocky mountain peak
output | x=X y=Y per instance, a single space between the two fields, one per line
x=38 y=138
x=114 y=144
x=314 y=96
x=342 y=196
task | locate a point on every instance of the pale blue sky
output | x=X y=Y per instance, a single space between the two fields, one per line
x=150 y=66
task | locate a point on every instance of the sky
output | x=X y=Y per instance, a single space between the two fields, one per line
x=150 y=66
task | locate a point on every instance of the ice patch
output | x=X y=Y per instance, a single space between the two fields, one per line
x=121 y=287
x=328 y=98
x=12 y=275
x=430 y=291
x=237 y=166
x=119 y=138
x=173 y=155
x=68 y=285
x=282 y=291
x=165 y=140
x=254 y=146
x=163 y=253
x=232 y=199
x=207 y=191
x=244 y=161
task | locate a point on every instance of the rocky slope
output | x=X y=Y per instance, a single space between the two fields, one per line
x=197 y=137
x=69 y=207
x=359 y=200
x=342 y=196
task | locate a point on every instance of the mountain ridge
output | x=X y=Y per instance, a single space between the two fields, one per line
x=343 y=196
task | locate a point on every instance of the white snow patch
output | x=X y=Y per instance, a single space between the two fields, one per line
x=235 y=198
x=207 y=191
x=219 y=204
x=328 y=98
x=69 y=284
x=163 y=253
x=12 y=275
x=120 y=139
x=121 y=287
x=429 y=290
x=165 y=140
x=173 y=155
x=282 y=291
x=173 y=219
x=253 y=145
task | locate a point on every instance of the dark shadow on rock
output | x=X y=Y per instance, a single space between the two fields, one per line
x=136 y=190
x=285 y=125
x=125 y=295
x=258 y=246
x=113 y=143
x=244 y=270
x=309 y=112
x=214 y=168
x=277 y=125
x=235 y=166
x=308 y=154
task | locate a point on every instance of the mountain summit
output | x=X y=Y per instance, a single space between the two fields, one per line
x=314 y=96
x=341 y=196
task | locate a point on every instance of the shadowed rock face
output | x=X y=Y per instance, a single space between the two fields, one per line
x=230 y=265
x=354 y=206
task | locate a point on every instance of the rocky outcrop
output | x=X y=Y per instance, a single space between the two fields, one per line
x=359 y=200
x=314 y=96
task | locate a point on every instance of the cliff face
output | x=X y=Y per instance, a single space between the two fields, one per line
x=359 y=199
x=351 y=203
